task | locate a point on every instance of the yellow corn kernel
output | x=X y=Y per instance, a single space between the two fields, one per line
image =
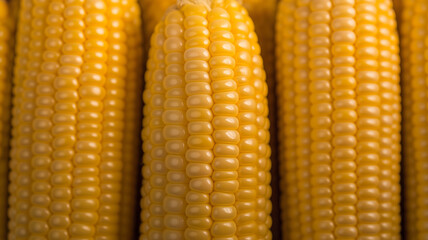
x=205 y=128
x=7 y=26
x=338 y=89
x=413 y=23
x=131 y=140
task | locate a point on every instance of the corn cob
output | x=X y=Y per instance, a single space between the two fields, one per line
x=68 y=118
x=339 y=119
x=7 y=25
x=205 y=128
x=413 y=23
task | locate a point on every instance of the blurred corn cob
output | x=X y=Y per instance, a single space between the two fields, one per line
x=413 y=25
x=339 y=112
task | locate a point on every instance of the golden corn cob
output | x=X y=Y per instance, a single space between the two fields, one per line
x=71 y=75
x=205 y=128
x=413 y=23
x=7 y=26
x=339 y=121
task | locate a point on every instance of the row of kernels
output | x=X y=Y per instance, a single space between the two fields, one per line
x=7 y=23
x=397 y=120
x=389 y=157
x=133 y=113
x=410 y=193
x=36 y=47
x=264 y=190
x=157 y=178
x=344 y=118
x=22 y=49
x=112 y=132
x=302 y=112
x=368 y=123
x=419 y=120
x=86 y=190
x=225 y=124
x=22 y=45
x=321 y=110
x=42 y=124
x=200 y=143
x=286 y=118
x=131 y=142
x=64 y=120
x=263 y=14
x=153 y=64
x=175 y=130
x=245 y=197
